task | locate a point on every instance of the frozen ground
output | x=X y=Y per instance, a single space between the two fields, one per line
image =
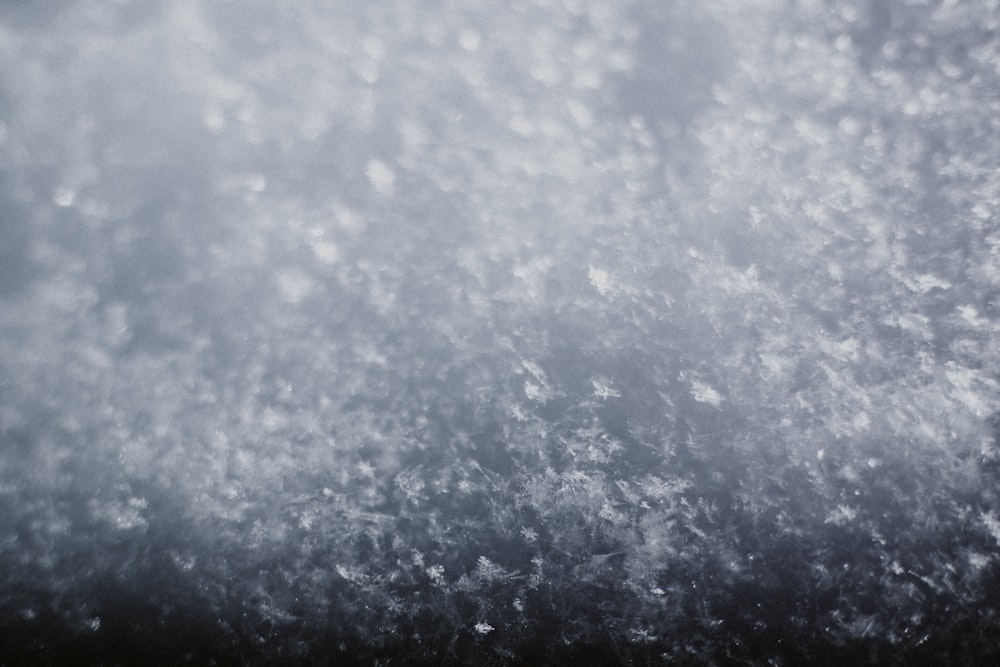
x=500 y=333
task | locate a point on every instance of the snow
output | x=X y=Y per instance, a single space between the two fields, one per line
x=302 y=310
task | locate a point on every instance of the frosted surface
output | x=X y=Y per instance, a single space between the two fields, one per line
x=500 y=333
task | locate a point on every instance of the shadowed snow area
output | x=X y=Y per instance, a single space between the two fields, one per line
x=527 y=332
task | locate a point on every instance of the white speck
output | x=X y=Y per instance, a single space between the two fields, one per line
x=873 y=463
x=469 y=39
x=861 y=421
x=603 y=389
x=978 y=560
x=381 y=177
x=214 y=119
x=374 y=47
x=294 y=286
x=484 y=628
x=256 y=182
x=533 y=391
x=64 y=197
x=820 y=454
x=600 y=279
x=842 y=515
x=992 y=524
x=925 y=283
x=325 y=251
x=705 y=394
x=580 y=113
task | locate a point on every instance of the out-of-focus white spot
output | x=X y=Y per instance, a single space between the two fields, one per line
x=978 y=561
x=374 y=47
x=600 y=279
x=980 y=210
x=705 y=394
x=533 y=391
x=971 y=315
x=413 y=133
x=64 y=197
x=484 y=628
x=842 y=515
x=580 y=113
x=545 y=71
x=367 y=71
x=873 y=463
x=522 y=125
x=861 y=422
x=970 y=388
x=925 y=283
x=469 y=39
x=294 y=285
x=992 y=524
x=381 y=177
x=325 y=251
x=346 y=218
x=256 y=182
x=850 y=126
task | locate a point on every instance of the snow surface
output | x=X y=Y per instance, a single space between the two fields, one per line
x=500 y=333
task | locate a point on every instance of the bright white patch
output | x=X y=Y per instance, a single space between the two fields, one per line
x=580 y=113
x=603 y=389
x=705 y=394
x=381 y=177
x=978 y=561
x=534 y=392
x=469 y=39
x=861 y=421
x=992 y=524
x=64 y=197
x=971 y=315
x=843 y=514
x=325 y=251
x=294 y=286
x=600 y=279
x=436 y=573
x=925 y=283
x=970 y=389
x=484 y=628
x=374 y=47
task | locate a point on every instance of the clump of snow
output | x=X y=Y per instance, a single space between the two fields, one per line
x=381 y=177
x=703 y=393
x=600 y=279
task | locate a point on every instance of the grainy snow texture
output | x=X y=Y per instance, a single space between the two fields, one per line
x=527 y=332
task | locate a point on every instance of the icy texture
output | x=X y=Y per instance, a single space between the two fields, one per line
x=491 y=333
